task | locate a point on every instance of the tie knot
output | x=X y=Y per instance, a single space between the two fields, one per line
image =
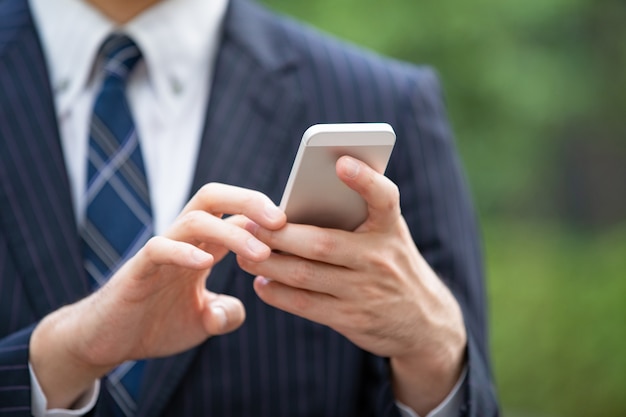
x=120 y=55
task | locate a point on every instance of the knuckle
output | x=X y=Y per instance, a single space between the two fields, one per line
x=303 y=273
x=361 y=321
x=151 y=248
x=207 y=190
x=301 y=301
x=395 y=193
x=382 y=262
x=370 y=323
x=323 y=246
x=258 y=197
x=393 y=201
x=207 y=193
x=192 y=219
x=252 y=201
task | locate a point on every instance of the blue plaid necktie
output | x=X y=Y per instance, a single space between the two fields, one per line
x=119 y=218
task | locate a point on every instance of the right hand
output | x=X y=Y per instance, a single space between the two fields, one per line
x=157 y=304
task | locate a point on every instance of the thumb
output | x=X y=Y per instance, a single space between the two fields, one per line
x=223 y=314
x=379 y=192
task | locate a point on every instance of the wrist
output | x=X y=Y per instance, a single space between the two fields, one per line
x=424 y=382
x=423 y=378
x=63 y=373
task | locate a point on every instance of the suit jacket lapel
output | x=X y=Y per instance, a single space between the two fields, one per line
x=251 y=119
x=35 y=203
x=253 y=105
x=252 y=114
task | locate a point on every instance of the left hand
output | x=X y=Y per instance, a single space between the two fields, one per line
x=371 y=285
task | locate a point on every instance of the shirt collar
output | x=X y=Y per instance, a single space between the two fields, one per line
x=178 y=39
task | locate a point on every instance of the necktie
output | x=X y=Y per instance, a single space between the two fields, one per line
x=119 y=219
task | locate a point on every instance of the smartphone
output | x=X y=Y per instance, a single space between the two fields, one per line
x=314 y=194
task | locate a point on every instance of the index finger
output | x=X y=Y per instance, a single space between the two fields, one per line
x=379 y=192
x=219 y=199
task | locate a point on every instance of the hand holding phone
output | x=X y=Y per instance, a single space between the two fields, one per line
x=314 y=194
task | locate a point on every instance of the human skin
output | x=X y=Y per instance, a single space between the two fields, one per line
x=157 y=304
x=122 y=11
x=372 y=285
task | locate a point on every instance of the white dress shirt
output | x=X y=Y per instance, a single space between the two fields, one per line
x=168 y=93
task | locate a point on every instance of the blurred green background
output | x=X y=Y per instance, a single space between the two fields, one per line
x=536 y=91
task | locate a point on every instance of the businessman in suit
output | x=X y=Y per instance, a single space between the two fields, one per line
x=388 y=317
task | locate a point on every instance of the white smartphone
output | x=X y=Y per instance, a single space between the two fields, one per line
x=314 y=194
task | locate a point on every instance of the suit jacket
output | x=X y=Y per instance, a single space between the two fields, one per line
x=273 y=79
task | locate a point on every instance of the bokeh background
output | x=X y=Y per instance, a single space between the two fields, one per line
x=536 y=92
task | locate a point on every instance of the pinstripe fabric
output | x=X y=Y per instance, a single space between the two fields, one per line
x=273 y=79
x=40 y=266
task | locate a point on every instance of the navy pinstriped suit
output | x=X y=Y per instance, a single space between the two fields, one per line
x=273 y=79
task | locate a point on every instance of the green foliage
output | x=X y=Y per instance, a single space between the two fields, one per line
x=557 y=319
x=519 y=76
x=525 y=79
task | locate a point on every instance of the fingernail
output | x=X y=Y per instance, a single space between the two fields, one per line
x=272 y=212
x=262 y=280
x=351 y=167
x=256 y=246
x=219 y=314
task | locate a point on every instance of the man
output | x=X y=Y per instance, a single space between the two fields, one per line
x=367 y=322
